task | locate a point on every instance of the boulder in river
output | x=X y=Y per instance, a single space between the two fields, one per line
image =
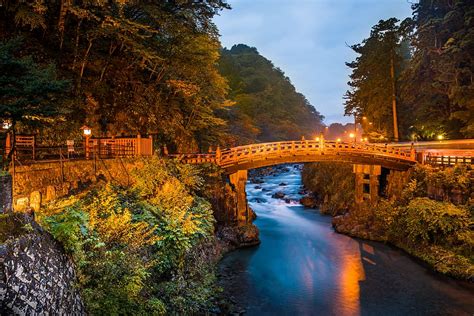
x=283 y=184
x=278 y=195
x=308 y=201
x=257 y=200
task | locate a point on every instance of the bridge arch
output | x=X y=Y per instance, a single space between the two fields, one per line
x=368 y=160
x=268 y=154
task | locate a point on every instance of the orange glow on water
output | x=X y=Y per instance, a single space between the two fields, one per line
x=352 y=272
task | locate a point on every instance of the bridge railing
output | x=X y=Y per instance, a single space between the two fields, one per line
x=309 y=147
x=437 y=160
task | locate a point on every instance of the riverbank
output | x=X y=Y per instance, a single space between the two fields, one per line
x=435 y=232
x=302 y=265
x=150 y=247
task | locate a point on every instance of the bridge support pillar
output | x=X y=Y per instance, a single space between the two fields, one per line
x=367 y=183
x=238 y=180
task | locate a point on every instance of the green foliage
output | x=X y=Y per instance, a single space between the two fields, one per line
x=375 y=71
x=267 y=105
x=438 y=87
x=432 y=221
x=132 y=246
x=333 y=184
x=28 y=91
x=433 y=78
x=136 y=66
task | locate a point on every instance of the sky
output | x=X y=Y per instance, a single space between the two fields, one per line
x=308 y=40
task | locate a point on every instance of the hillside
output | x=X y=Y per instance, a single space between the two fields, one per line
x=268 y=107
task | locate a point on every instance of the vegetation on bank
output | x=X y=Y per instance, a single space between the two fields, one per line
x=332 y=184
x=423 y=220
x=144 y=249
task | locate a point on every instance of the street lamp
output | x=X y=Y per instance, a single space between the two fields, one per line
x=6 y=124
x=440 y=137
x=86 y=130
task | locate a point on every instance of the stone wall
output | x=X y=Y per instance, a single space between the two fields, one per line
x=36 y=276
x=6 y=197
x=39 y=183
x=396 y=182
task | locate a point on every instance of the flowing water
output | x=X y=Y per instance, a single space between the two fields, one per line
x=302 y=267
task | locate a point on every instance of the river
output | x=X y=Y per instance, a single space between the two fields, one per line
x=303 y=267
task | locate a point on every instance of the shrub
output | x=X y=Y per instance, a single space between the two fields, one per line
x=432 y=221
x=131 y=244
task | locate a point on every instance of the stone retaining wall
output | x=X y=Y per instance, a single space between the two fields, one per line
x=36 y=276
x=40 y=183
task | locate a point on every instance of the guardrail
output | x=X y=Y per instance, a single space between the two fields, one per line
x=232 y=156
x=442 y=161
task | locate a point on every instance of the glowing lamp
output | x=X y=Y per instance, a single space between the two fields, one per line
x=317 y=139
x=86 y=130
x=351 y=135
x=6 y=124
x=440 y=137
x=338 y=140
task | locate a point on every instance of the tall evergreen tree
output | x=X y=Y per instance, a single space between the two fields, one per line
x=438 y=86
x=374 y=92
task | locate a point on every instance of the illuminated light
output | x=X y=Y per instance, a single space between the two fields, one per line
x=317 y=139
x=366 y=139
x=370 y=123
x=361 y=139
x=6 y=125
x=364 y=118
x=351 y=135
x=440 y=137
x=86 y=130
x=338 y=140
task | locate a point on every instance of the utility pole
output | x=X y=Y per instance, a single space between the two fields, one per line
x=394 y=100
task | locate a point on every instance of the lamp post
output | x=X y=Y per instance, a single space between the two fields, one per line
x=87 y=134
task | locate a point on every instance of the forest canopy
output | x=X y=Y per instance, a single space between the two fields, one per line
x=425 y=65
x=129 y=67
x=268 y=107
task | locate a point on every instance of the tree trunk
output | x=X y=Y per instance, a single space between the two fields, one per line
x=394 y=100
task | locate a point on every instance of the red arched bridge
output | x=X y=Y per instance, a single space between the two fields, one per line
x=267 y=154
x=368 y=160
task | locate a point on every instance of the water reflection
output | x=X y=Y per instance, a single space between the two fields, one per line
x=302 y=267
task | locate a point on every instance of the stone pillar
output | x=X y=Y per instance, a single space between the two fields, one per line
x=6 y=193
x=359 y=187
x=238 y=181
x=367 y=183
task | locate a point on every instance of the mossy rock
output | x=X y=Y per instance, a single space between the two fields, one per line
x=13 y=225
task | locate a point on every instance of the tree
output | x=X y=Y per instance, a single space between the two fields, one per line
x=136 y=66
x=438 y=86
x=29 y=92
x=373 y=87
x=267 y=105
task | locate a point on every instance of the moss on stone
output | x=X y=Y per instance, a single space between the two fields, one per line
x=13 y=225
